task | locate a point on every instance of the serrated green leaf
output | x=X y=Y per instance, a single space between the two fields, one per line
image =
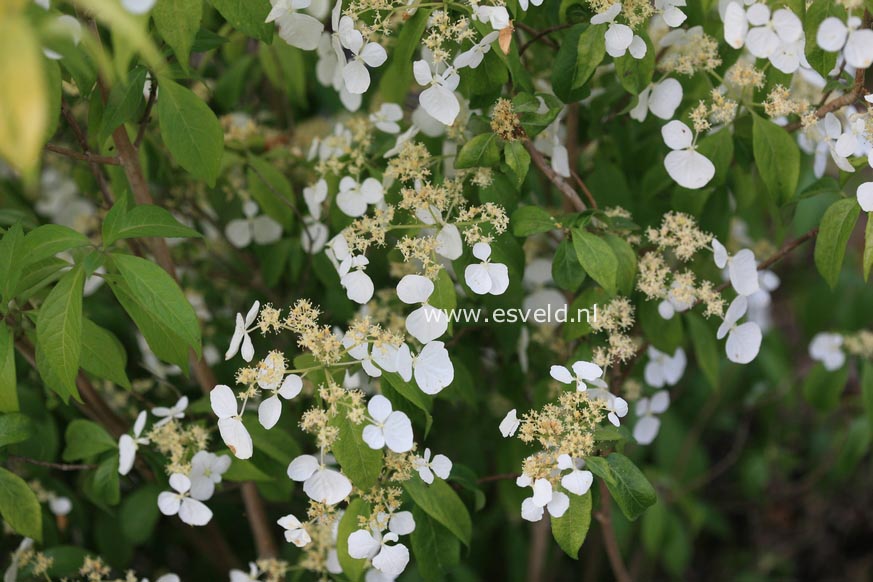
x=441 y=502
x=59 y=328
x=571 y=528
x=836 y=227
x=597 y=258
x=86 y=439
x=19 y=507
x=626 y=483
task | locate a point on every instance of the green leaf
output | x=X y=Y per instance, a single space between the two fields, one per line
x=413 y=394
x=481 y=151
x=627 y=484
x=868 y=246
x=397 y=77
x=517 y=159
x=178 y=21
x=67 y=560
x=581 y=52
x=11 y=259
x=719 y=148
x=19 y=507
x=822 y=388
x=190 y=130
x=101 y=485
x=436 y=550
x=777 y=158
x=124 y=102
x=571 y=528
x=145 y=220
x=627 y=263
x=158 y=307
x=444 y=295
x=271 y=190
x=359 y=462
x=705 y=347
x=247 y=16
x=566 y=270
x=14 y=428
x=836 y=227
x=59 y=328
x=138 y=514
x=636 y=74
x=821 y=60
x=103 y=355
x=597 y=258
x=441 y=502
x=528 y=220
x=48 y=240
x=352 y=568
x=8 y=386
x=86 y=439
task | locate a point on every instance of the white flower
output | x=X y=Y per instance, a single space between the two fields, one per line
x=648 y=425
x=260 y=228
x=523 y=4
x=543 y=497
x=577 y=481
x=314 y=196
x=865 y=196
x=620 y=38
x=473 y=57
x=294 y=531
x=583 y=374
x=230 y=425
x=685 y=165
x=742 y=268
x=767 y=33
x=616 y=406
x=662 y=99
x=438 y=99
x=670 y=12
x=841 y=144
x=138 y=6
x=486 y=277
x=241 y=334
x=664 y=370
x=390 y=428
x=827 y=349
x=509 y=424
x=206 y=470
x=319 y=483
x=313 y=236
x=353 y=197
x=299 y=30
x=426 y=323
x=441 y=465
x=736 y=25
x=168 y=414
x=60 y=506
x=270 y=408
x=391 y=560
x=371 y=54
x=357 y=283
x=496 y=16
x=448 y=239
x=432 y=368
x=190 y=510
x=387 y=117
x=128 y=445
x=744 y=340
x=856 y=43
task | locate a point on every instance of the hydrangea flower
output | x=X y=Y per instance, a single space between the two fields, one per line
x=440 y=465
x=426 y=323
x=386 y=118
x=357 y=283
x=584 y=373
x=389 y=427
x=743 y=340
x=166 y=414
x=432 y=368
x=179 y=501
x=354 y=197
x=509 y=424
x=616 y=406
x=473 y=56
x=448 y=239
x=662 y=99
x=261 y=229
x=370 y=54
x=438 y=99
x=742 y=268
x=544 y=497
x=206 y=471
x=314 y=196
x=319 y=483
x=128 y=445
x=827 y=348
x=299 y=30
x=230 y=425
x=648 y=424
x=620 y=38
x=578 y=481
x=387 y=555
x=664 y=370
x=295 y=533
x=241 y=334
x=270 y=408
x=855 y=42
x=689 y=168
x=486 y=277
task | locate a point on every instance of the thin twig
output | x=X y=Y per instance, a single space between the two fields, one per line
x=539 y=35
x=554 y=178
x=84 y=157
x=58 y=466
x=604 y=516
x=856 y=92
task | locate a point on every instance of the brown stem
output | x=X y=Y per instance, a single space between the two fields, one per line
x=856 y=92
x=539 y=34
x=84 y=157
x=257 y=517
x=553 y=177
x=604 y=516
x=539 y=545
x=58 y=466
x=499 y=477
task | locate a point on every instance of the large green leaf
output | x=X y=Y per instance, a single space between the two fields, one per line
x=627 y=484
x=14 y=428
x=59 y=328
x=247 y=16
x=190 y=131
x=145 y=220
x=597 y=258
x=102 y=484
x=124 y=102
x=138 y=514
x=528 y=220
x=11 y=259
x=481 y=151
x=178 y=22
x=567 y=273
x=85 y=439
x=8 y=387
x=19 y=507
x=580 y=54
x=48 y=240
x=441 y=502
x=103 y=355
x=836 y=227
x=777 y=158
x=571 y=528
x=352 y=568
x=436 y=550
x=359 y=462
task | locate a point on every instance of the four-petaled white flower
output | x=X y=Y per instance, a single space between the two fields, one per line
x=353 y=197
x=299 y=30
x=319 y=483
x=648 y=425
x=486 y=277
x=827 y=348
x=357 y=283
x=473 y=57
x=744 y=340
x=620 y=38
x=440 y=465
x=166 y=414
x=663 y=369
x=386 y=118
x=370 y=54
x=426 y=323
x=544 y=497
x=392 y=559
x=689 y=168
x=742 y=268
x=179 y=501
x=432 y=368
x=241 y=334
x=438 y=99
x=616 y=406
x=230 y=425
x=295 y=533
x=448 y=239
x=584 y=373
x=578 y=481
x=509 y=424
x=662 y=99
x=206 y=471
x=855 y=42
x=390 y=428
x=128 y=445
x=270 y=408
x=670 y=12
x=254 y=227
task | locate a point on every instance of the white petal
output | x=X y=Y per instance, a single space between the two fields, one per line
x=646 y=429
x=269 y=412
x=422 y=73
x=530 y=510
x=248 y=350
x=743 y=343
x=374 y=55
x=239 y=232
x=482 y=251
x=587 y=370
x=689 y=168
x=194 y=512
x=677 y=135
x=168 y=503
x=608 y=15
x=402 y=523
x=618 y=38
x=448 y=242
x=433 y=370
x=666 y=97
x=865 y=196
x=392 y=560
x=499 y=274
x=641 y=110
x=577 y=482
x=787 y=25
x=831 y=35
x=758 y=14
x=359 y=286
x=373 y=436
x=414 y=289
x=762 y=42
x=559 y=504
x=362 y=545
x=126 y=454
x=302 y=468
x=441 y=104
x=379 y=408
x=236 y=437
x=327 y=486
x=744 y=272
x=300 y=30
x=720 y=254
x=674 y=368
x=859 y=49
x=638 y=48
x=138 y=6
x=674 y=17
x=509 y=424
x=477 y=278
x=357 y=78
x=736 y=310
x=139 y=424
x=266 y=230
x=291 y=386
x=180 y=482
x=561 y=374
x=542 y=492
x=735 y=25
x=442 y=466
x=299 y=537
x=660 y=402
x=202 y=488
x=398 y=432
x=426 y=474
x=427 y=323
x=223 y=401
x=653 y=374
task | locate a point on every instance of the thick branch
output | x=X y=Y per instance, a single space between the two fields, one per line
x=856 y=92
x=553 y=177
x=258 y=521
